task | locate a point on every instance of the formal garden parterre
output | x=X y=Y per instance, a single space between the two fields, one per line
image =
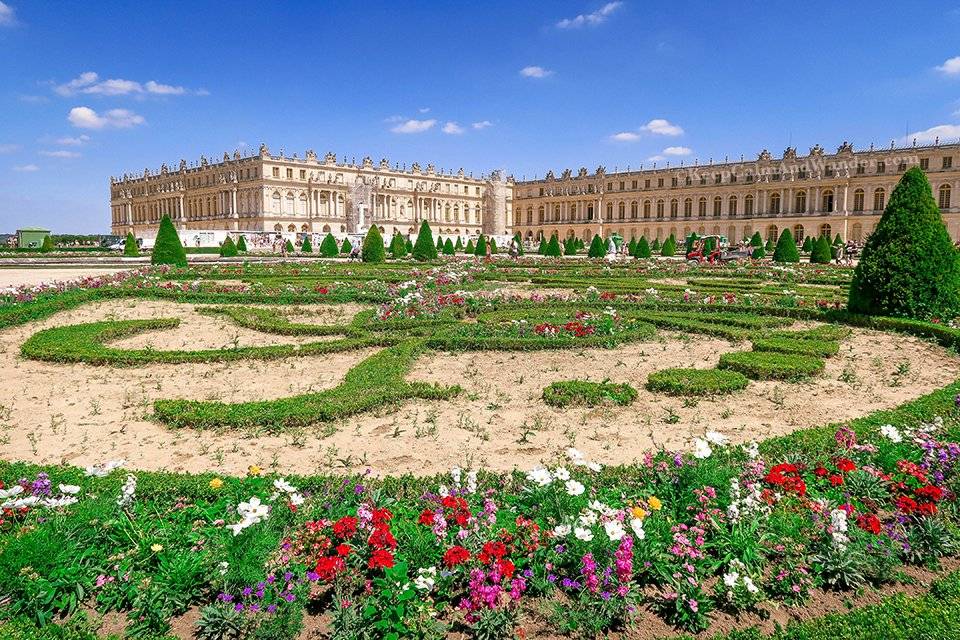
x=455 y=448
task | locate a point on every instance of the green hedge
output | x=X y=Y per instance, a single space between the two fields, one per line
x=768 y=365
x=696 y=382
x=808 y=347
x=576 y=392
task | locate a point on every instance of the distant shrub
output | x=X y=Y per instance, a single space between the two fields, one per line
x=821 y=254
x=553 y=248
x=130 y=248
x=470 y=249
x=591 y=394
x=328 y=247
x=288 y=246
x=809 y=346
x=768 y=365
x=696 y=382
x=307 y=246
x=448 y=249
x=597 y=248
x=481 y=249
x=228 y=249
x=167 y=249
x=346 y=247
x=424 y=248
x=242 y=244
x=47 y=245
x=786 y=249
x=669 y=247
x=643 y=248
x=373 y=249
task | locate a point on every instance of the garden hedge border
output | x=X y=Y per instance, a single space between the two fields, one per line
x=565 y=393
x=697 y=382
x=771 y=365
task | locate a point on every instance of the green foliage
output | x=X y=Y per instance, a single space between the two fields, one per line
x=242 y=244
x=228 y=249
x=448 y=249
x=689 y=242
x=809 y=347
x=643 y=248
x=696 y=382
x=769 y=365
x=807 y=244
x=756 y=240
x=424 y=248
x=908 y=267
x=346 y=247
x=398 y=248
x=758 y=253
x=47 y=245
x=838 y=241
x=632 y=247
x=470 y=249
x=552 y=249
x=306 y=246
x=656 y=244
x=597 y=248
x=409 y=247
x=786 y=250
x=167 y=249
x=821 y=254
x=669 y=247
x=542 y=247
x=583 y=392
x=458 y=248
x=328 y=246
x=288 y=246
x=493 y=246
x=373 y=249
x=519 y=242
x=481 y=249
x=130 y=248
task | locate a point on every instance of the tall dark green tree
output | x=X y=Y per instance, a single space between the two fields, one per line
x=820 y=253
x=372 y=249
x=242 y=244
x=448 y=249
x=909 y=266
x=756 y=240
x=656 y=245
x=328 y=247
x=458 y=248
x=807 y=245
x=424 y=249
x=542 y=248
x=439 y=244
x=288 y=246
x=167 y=249
x=597 y=248
x=307 y=246
x=643 y=248
x=786 y=249
x=552 y=250
x=130 y=248
x=481 y=250
x=669 y=247
x=469 y=249
x=632 y=246
x=47 y=245
x=837 y=241
x=346 y=247
x=228 y=249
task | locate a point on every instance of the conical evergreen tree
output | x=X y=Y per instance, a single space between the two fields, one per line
x=756 y=240
x=552 y=250
x=130 y=248
x=469 y=248
x=47 y=245
x=448 y=249
x=458 y=248
x=769 y=246
x=807 y=245
x=656 y=244
x=669 y=247
x=820 y=254
x=643 y=248
x=167 y=249
x=632 y=246
x=786 y=250
x=493 y=246
x=409 y=246
x=307 y=246
x=328 y=247
x=373 y=249
x=481 y=250
x=519 y=242
x=837 y=241
x=758 y=253
x=542 y=249
x=346 y=247
x=439 y=245
x=242 y=244
x=289 y=247
x=597 y=247
x=228 y=249
x=424 y=249
x=908 y=267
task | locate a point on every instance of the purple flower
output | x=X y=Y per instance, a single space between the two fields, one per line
x=238 y=607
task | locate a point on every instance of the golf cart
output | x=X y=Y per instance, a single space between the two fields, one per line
x=719 y=251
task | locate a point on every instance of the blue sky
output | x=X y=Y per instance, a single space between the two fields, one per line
x=91 y=89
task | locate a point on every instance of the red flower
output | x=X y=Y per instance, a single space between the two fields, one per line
x=506 y=568
x=906 y=504
x=381 y=516
x=380 y=559
x=381 y=538
x=345 y=527
x=328 y=568
x=869 y=522
x=492 y=551
x=343 y=550
x=836 y=480
x=426 y=518
x=930 y=492
x=927 y=509
x=845 y=465
x=821 y=472
x=455 y=555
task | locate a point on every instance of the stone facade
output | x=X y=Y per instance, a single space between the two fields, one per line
x=266 y=192
x=843 y=193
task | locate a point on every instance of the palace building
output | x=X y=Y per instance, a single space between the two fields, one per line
x=842 y=193
x=269 y=193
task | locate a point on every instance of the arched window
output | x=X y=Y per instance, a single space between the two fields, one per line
x=622 y=211
x=660 y=209
x=274 y=204
x=277 y=228
x=827 y=201
x=798 y=233
x=858 y=200
x=674 y=206
x=688 y=207
x=292 y=228
x=775 y=203
x=702 y=207
x=800 y=202
x=326 y=228
x=879 y=200
x=556 y=213
x=772 y=233
x=945 y=196
x=646 y=209
x=609 y=211
x=717 y=206
x=857 y=232
x=289 y=206
x=732 y=207
x=304 y=228
x=633 y=210
x=748 y=206
x=825 y=230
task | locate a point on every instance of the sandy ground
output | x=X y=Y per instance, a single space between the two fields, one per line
x=36 y=275
x=82 y=414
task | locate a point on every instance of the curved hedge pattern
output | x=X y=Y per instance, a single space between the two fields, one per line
x=770 y=365
x=696 y=382
x=574 y=392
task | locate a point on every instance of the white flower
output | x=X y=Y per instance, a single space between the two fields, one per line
x=583 y=534
x=574 y=454
x=455 y=476
x=62 y=501
x=15 y=490
x=253 y=509
x=561 y=474
x=636 y=525
x=70 y=489
x=223 y=567
x=891 y=433
x=426 y=578
x=574 y=488
x=748 y=583
x=282 y=485
x=562 y=530
x=730 y=579
x=19 y=503
x=614 y=530
x=752 y=450
x=540 y=476
x=471 y=481
x=594 y=466
x=128 y=492
x=717 y=438
x=587 y=518
x=296 y=499
x=701 y=449
x=104 y=469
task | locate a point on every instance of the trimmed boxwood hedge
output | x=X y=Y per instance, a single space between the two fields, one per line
x=575 y=392
x=769 y=365
x=696 y=382
x=808 y=347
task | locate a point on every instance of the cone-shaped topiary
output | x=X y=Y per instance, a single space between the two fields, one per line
x=552 y=250
x=448 y=249
x=756 y=240
x=130 y=248
x=643 y=248
x=493 y=246
x=769 y=247
x=481 y=249
x=632 y=246
x=47 y=244
x=820 y=253
x=228 y=249
x=346 y=247
x=837 y=241
x=570 y=247
x=424 y=249
x=328 y=247
x=242 y=244
x=786 y=250
x=469 y=249
x=373 y=249
x=168 y=249
x=458 y=248
x=908 y=267
x=656 y=245
x=288 y=246
x=307 y=246
x=409 y=246
x=669 y=247
x=597 y=248
x=758 y=253
x=398 y=247
x=807 y=245
x=439 y=244
x=542 y=248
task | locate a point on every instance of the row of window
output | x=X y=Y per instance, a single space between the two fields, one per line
x=391 y=183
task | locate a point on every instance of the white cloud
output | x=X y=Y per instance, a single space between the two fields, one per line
x=85 y=79
x=26 y=168
x=30 y=99
x=950 y=67
x=60 y=153
x=87 y=118
x=452 y=128
x=483 y=124
x=662 y=127
x=590 y=19
x=424 y=109
x=625 y=136
x=535 y=72
x=414 y=126
x=90 y=83
x=7 y=16
x=9 y=148
x=69 y=141
x=656 y=158
x=677 y=151
x=163 y=89
x=394 y=119
x=928 y=136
